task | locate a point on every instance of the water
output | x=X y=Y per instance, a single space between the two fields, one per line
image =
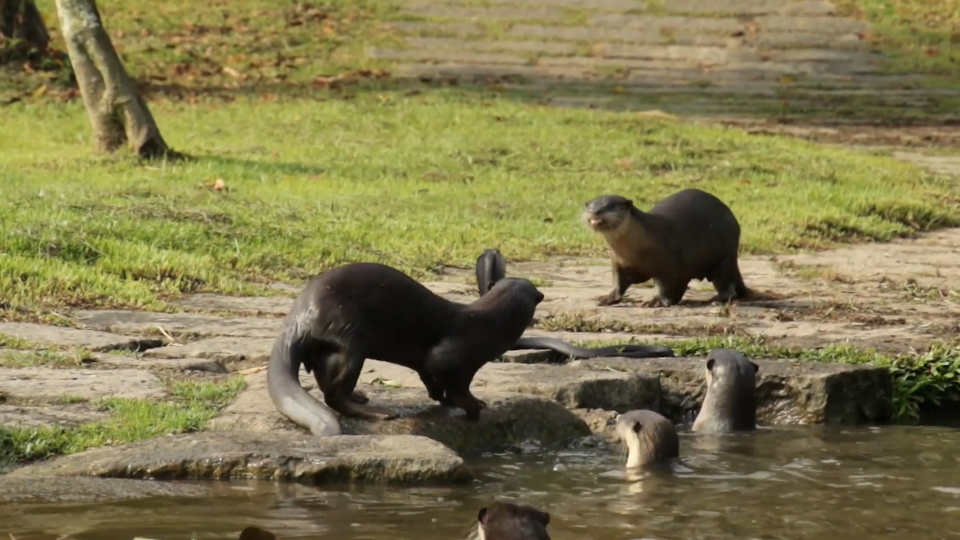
x=786 y=482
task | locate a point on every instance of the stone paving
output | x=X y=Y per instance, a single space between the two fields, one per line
x=704 y=57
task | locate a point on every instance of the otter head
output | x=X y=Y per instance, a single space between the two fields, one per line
x=508 y=521
x=650 y=438
x=518 y=291
x=608 y=214
x=731 y=401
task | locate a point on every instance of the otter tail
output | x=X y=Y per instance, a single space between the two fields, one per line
x=288 y=396
x=572 y=351
x=491 y=268
x=739 y=286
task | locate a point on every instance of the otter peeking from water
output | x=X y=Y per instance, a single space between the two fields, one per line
x=650 y=438
x=688 y=235
x=508 y=521
x=731 y=400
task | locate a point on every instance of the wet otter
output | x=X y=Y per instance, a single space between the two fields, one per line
x=492 y=267
x=370 y=310
x=508 y=521
x=651 y=439
x=731 y=401
x=688 y=235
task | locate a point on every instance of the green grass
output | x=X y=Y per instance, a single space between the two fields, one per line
x=190 y=406
x=38 y=358
x=921 y=382
x=413 y=181
x=920 y=36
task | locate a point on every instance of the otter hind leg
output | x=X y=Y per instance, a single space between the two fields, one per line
x=338 y=381
x=728 y=281
x=434 y=390
x=669 y=292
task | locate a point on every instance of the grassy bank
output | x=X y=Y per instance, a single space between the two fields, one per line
x=190 y=406
x=414 y=181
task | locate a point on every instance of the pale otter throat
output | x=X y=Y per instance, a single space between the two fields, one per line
x=651 y=439
x=508 y=521
x=686 y=236
x=731 y=400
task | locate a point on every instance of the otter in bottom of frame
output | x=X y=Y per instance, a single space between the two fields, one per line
x=508 y=521
x=370 y=310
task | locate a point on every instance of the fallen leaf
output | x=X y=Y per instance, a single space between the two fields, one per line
x=219 y=185
x=40 y=92
x=624 y=163
x=787 y=79
x=232 y=72
x=619 y=89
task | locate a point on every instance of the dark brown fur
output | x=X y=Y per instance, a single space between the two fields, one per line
x=508 y=521
x=369 y=310
x=689 y=235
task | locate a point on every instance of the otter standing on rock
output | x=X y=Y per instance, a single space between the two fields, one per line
x=508 y=521
x=689 y=235
x=651 y=439
x=369 y=310
x=492 y=267
x=731 y=400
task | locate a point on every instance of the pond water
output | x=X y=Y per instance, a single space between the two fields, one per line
x=785 y=482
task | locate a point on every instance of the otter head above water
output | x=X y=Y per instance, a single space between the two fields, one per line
x=651 y=439
x=731 y=400
x=608 y=214
x=507 y=521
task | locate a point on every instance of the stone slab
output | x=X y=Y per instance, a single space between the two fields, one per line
x=34 y=489
x=231 y=352
x=44 y=384
x=442 y=11
x=750 y=7
x=508 y=418
x=539 y=47
x=173 y=364
x=255 y=305
x=265 y=456
x=49 y=416
x=787 y=392
x=73 y=337
x=176 y=324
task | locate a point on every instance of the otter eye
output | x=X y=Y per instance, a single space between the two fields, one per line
x=710 y=363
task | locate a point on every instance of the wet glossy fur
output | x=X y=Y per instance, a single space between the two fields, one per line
x=731 y=401
x=688 y=235
x=369 y=310
x=508 y=521
x=651 y=439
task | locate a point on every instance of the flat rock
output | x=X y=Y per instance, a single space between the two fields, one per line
x=30 y=489
x=49 y=416
x=73 y=337
x=264 y=456
x=247 y=305
x=194 y=324
x=232 y=352
x=787 y=392
x=45 y=384
x=172 y=364
x=509 y=417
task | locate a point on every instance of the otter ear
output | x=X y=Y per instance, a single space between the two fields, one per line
x=756 y=368
x=481 y=514
x=710 y=363
x=637 y=426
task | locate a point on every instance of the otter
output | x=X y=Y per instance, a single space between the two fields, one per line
x=370 y=310
x=507 y=521
x=256 y=533
x=688 y=235
x=731 y=400
x=650 y=438
x=492 y=267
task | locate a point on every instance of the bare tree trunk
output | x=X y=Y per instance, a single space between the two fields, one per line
x=117 y=111
x=23 y=33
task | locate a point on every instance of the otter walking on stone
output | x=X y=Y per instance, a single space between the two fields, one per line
x=508 y=521
x=651 y=439
x=370 y=310
x=688 y=235
x=731 y=400
x=492 y=267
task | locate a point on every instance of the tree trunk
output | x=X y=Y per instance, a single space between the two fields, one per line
x=23 y=33
x=117 y=111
